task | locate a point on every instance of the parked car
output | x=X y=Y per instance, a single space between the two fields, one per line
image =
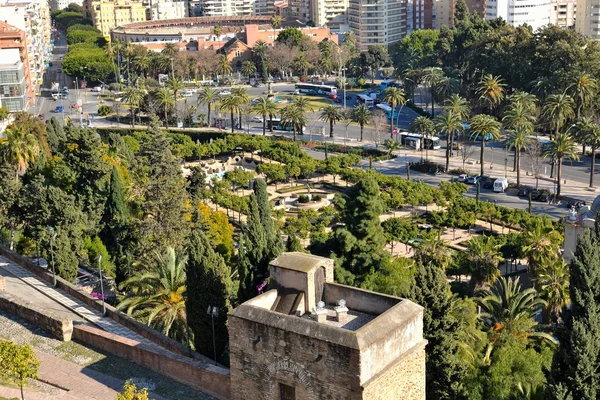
x=472 y=180
x=500 y=185
x=544 y=196
x=523 y=191
x=187 y=93
x=256 y=84
x=58 y=109
x=488 y=184
x=225 y=92
x=535 y=193
x=64 y=95
x=462 y=177
x=257 y=119
x=59 y=70
x=97 y=89
x=55 y=96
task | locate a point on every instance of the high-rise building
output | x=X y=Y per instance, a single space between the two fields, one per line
x=587 y=20
x=379 y=22
x=108 y=14
x=62 y=4
x=166 y=9
x=562 y=13
x=13 y=81
x=330 y=13
x=33 y=18
x=231 y=8
x=14 y=38
x=535 y=13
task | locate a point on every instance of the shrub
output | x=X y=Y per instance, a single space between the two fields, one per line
x=316 y=197
x=94 y=248
x=303 y=198
x=104 y=110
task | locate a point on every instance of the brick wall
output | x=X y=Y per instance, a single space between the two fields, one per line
x=403 y=380
x=207 y=378
x=60 y=328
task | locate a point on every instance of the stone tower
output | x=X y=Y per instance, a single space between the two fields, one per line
x=310 y=338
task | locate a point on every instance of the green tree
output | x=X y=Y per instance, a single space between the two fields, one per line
x=131 y=392
x=248 y=68
x=18 y=363
x=451 y=125
x=540 y=243
x=583 y=89
x=294 y=116
x=208 y=285
x=266 y=108
x=330 y=114
x=561 y=147
x=483 y=254
x=395 y=97
x=133 y=97
x=576 y=364
x=432 y=77
x=290 y=36
x=558 y=109
x=217 y=30
x=588 y=132
x=175 y=84
x=223 y=65
x=521 y=122
x=164 y=99
x=490 y=91
x=155 y=295
x=552 y=282
x=208 y=96
x=233 y=104
x=426 y=128
x=481 y=126
x=362 y=116
x=19 y=148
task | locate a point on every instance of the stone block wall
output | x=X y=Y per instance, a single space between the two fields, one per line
x=403 y=380
x=58 y=327
x=263 y=356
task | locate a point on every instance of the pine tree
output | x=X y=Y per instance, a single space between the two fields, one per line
x=115 y=210
x=245 y=273
x=361 y=241
x=576 y=364
x=52 y=138
x=462 y=16
x=432 y=291
x=208 y=285
x=58 y=130
x=274 y=244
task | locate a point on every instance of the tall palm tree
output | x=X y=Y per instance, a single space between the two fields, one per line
x=223 y=65
x=302 y=103
x=558 y=109
x=176 y=84
x=330 y=114
x=451 y=124
x=143 y=63
x=587 y=131
x=424 y=127
x=231 y=103
x=276 y=21
x=553 y=285
x=19 y=148
x=266 y=108
x=432 y=77
x=301 y=64
x=583 y=89
x=133 y=97
x=217 y=30
x=248 y=68
x=562 y=147
x=480 y=126
x=483 y=253
x=490 y=91
x=165 y=100
x=459 y=106
x=170 y=49
x=521 y=124
x=361 y=115
x=155 y=296
x=208 y=96
x=541 y=244
x=244 y=99
x=294 y=116
x=529 y=101
x=395 y=97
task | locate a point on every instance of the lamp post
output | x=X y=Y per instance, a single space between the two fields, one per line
x=101 y=284
x=213 y=312
x=53 y=235
x=344 y=84
x=407 y=166
x=505 y=162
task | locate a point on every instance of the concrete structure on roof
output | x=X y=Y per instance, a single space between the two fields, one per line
x=310 y=338
x=576 y=225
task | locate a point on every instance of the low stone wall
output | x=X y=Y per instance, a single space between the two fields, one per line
x=118 y=316
x=60 y=328
x=207 y=378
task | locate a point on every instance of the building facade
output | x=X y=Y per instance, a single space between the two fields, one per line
x=379 y=22
x=563 y=13
x=13 y=38
x=13 y=84
x=62 y=4
x=159 y=10
x=108 y=14
x=535 y=13
x=309 y=338
x=330 y=13
x=587 y=18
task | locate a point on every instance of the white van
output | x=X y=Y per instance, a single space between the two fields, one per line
x=500 y=184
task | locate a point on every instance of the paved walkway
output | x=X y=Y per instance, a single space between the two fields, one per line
x=83 y=310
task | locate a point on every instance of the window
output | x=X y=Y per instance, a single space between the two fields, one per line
x=287 y=392
x=237 y=53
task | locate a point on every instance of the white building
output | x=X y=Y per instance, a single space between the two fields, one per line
x=62 y=4
x=331 y=13
x=587 y=19
x=379 y=22
x=167 y=9
x=535 y=13
x=13 y=86
x=230 y=8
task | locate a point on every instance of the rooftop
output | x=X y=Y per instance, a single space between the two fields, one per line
x=353 y=322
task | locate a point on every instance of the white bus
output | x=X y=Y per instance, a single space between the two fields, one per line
x=414 y=140
x=366 y=100
x=311 y=88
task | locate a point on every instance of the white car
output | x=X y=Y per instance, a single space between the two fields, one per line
x=187 y=93
x=97 y=89
x=257 y=119
x=225 y=92
x=463 y=177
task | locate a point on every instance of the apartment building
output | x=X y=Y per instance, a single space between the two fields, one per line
x=108 y=14
x=330 y=13
x=33 y=18
x=378 y=22
x=562 y=13
x=230 y=8
x=535 y=13
x=62 y=4
x=14 y=38
x=13 y=82
x=166 y=9
x=587 y=18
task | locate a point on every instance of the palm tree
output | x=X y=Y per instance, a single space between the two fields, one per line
x=143 y=63
x=562 y=147
x=394 y=96
x=490 y=91
x=391 y=145
x=459 y=106
x=176 y=84
x=208 y=96
x=223 y=65
x=133 y=97
x=558 y=109
x=217 y=30
x=155 y=296
x=553 y=285
x=165 y=100
x=294 y=116
x=431 y=77
x=480 y=126
x=451 y=124
x=521 y=123
x=231 y=103
x=528 y=100
x=361 y=115
x=19 y=148
x=248 y=68
x=590 y=133
x=169 y=49
x=483 y=253
x=583 y=89
x=266 y=108
x=244 y=99
x=304 y=107
x=424 y=127
x=541 y=244
x=276 y=21
x=330 y=114
x=301 y=64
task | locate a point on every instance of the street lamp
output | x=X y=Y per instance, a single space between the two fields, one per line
x=53 y=235
x=344 y=84
x=213 y=312
x=505 y=162
x=101 y=284
x=407 y=166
